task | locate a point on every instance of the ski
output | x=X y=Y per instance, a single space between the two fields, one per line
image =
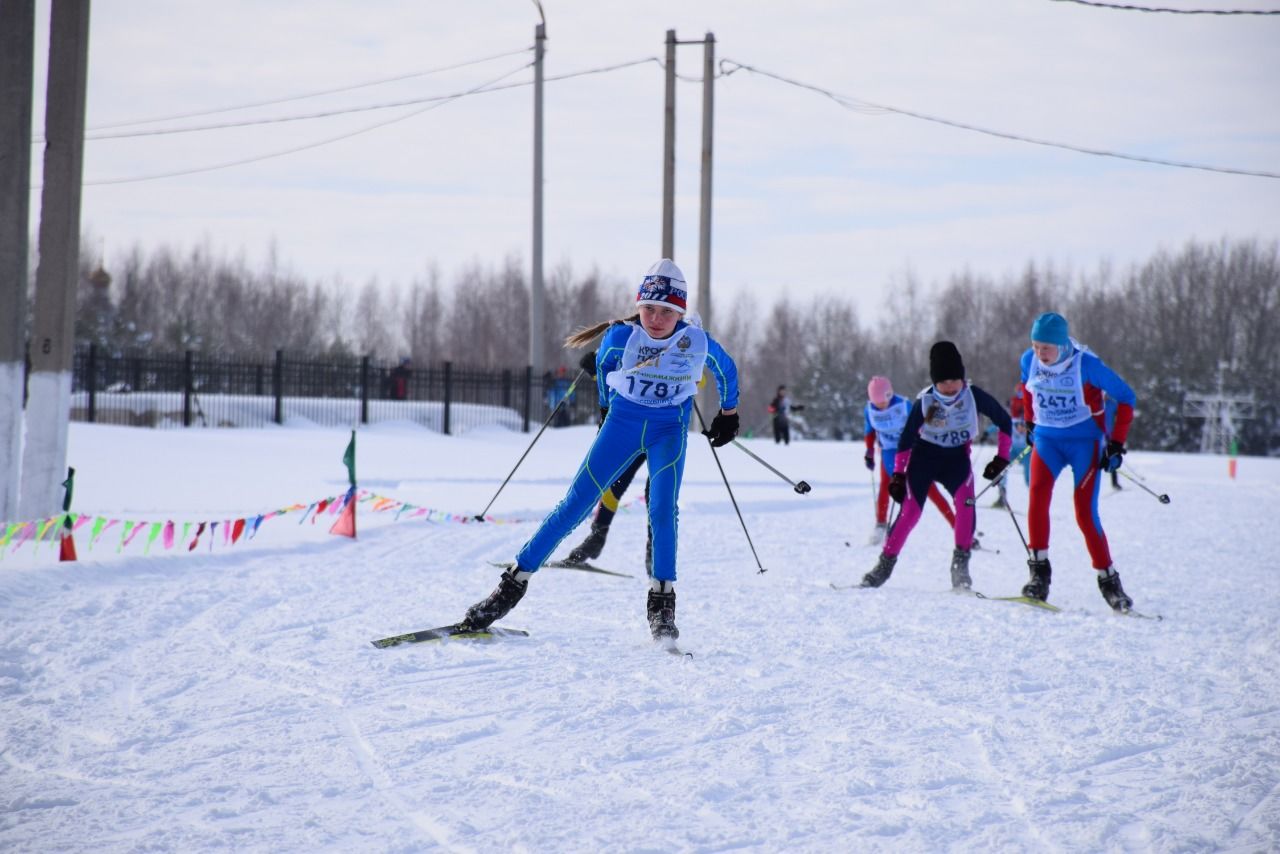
x=1140 y=616
x=669 y=645
x=457 y=630
x=835 y=586
x=564 y=564
x=1025 y=600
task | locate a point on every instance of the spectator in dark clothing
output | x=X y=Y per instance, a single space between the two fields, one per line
x=781 y=407
x=398 y=381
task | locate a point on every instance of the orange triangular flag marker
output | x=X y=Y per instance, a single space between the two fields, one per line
x=346 y=524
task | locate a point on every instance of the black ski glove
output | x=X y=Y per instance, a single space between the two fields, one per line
x=995 y=467
x=869 y=461
x=1031 y=433
x=1113 y=455
x=898 y=487
x=588 y=363
x=723 y=429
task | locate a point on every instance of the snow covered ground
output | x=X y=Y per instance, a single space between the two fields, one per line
x=228 y=698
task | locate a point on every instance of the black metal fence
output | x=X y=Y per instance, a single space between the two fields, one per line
x=142 y=388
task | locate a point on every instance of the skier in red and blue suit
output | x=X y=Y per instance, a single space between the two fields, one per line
x=1063 y=386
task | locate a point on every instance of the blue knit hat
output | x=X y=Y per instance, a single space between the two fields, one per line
x=1051 y=328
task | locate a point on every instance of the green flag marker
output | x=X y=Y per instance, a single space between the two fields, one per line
x=349 y=459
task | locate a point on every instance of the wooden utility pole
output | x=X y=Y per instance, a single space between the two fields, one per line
x=17 y=52
x=44 y=460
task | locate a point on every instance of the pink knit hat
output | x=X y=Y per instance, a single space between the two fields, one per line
x=880 y=390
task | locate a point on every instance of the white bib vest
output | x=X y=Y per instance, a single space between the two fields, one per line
x=888 y=422
x=949 y=424
x=1058 y=392
x=660 y=373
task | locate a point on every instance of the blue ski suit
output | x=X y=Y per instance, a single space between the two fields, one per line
x=647 y=385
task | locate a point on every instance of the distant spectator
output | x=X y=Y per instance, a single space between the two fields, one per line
x=781 y=408
x=558 y=390
x=398 y=381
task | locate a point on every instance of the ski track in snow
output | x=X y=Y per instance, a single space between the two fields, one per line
x=229 y=699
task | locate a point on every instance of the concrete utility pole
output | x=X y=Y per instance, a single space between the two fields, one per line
x=710 y=401
x=537 y=289
x=669 y=153
x=17 y=52
x=44 y=461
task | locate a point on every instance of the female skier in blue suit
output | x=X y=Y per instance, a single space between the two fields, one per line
x=647 y=371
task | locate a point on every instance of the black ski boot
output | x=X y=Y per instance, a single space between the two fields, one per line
x=1109 y=584
x=662 y=612
x=504 y=597
x=590 y=548
x=960 y=579
x=1041 y=572
x=882 y=571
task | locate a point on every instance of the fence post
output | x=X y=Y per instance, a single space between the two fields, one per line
x=364 y=389
x=188 y=381
x=91 y=382
x=528 y=394
x=277 y=386
x=448 y=394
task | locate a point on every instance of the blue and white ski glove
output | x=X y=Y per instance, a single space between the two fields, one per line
x=723 y=429
x=1113 y=456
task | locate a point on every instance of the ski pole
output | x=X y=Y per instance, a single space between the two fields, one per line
x=892 y=519
x=479 y=517
x=974 y=500
x=730 y=489
x=801 y=488
x=1025 y=544
x=874 y=496
x=1160 y=496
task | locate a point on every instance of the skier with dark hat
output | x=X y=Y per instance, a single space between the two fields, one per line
x=934 y=447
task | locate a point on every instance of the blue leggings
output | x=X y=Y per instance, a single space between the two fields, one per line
x=628 y=432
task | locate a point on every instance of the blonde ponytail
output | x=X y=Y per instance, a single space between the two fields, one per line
x=587 y=334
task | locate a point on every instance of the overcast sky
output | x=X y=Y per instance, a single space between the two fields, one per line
x=810 y=197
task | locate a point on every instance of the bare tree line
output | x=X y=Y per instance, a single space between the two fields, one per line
x=1165 y=325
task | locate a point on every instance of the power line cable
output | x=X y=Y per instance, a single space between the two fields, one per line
x=1167 y=10
x=436 y=101
x=363 y=108
x=308 y=146
x=869 y=108
x=303 y=96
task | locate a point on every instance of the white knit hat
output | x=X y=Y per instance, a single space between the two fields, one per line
x=664 y=285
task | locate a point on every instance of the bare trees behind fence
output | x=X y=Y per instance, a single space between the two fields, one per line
x=1167 y=325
